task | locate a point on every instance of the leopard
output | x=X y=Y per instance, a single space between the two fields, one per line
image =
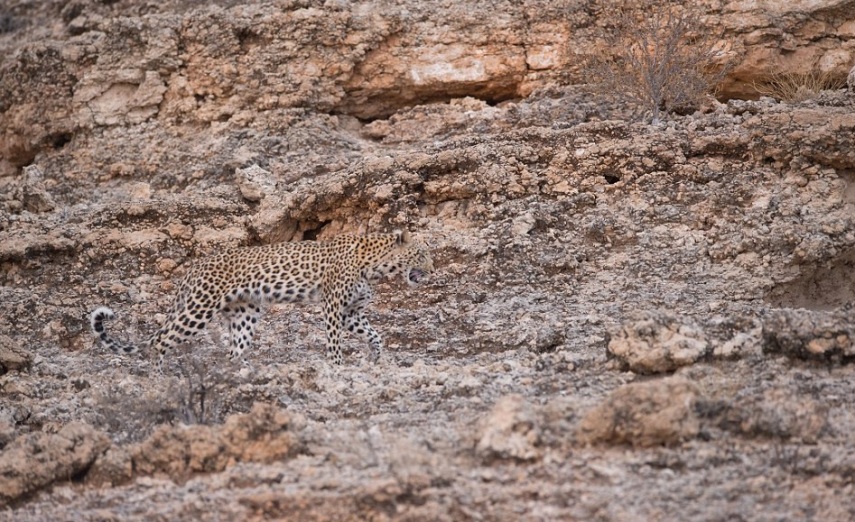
x=239 y=283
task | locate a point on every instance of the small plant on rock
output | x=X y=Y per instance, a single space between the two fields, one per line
x=660 y=58
x=794 y=87
x=8 y=23
x=201 y=396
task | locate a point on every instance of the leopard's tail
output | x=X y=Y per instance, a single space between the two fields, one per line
x=96 y=319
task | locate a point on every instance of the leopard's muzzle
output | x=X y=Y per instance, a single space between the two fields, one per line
x=415 y=276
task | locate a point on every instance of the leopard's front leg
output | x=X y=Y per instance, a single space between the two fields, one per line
x=356 y=322
x=333 y=322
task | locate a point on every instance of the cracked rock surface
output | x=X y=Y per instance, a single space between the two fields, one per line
x=627 y=322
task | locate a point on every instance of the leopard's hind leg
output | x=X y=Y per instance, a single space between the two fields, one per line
x=243 y=317
x=182 y=324
x=356 y=322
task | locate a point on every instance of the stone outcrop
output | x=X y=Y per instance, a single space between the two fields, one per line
x=810 y=334
x=660 y=412
x=37 y=460
x=658 y=344
x=110 y=64
x=265 y=434
x=509 y=431
x=78 y=451
x=12 y=356
x=620 y=310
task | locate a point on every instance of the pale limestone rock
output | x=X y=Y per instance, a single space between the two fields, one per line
x=657 y=343
x=255 y=183
x=36 y=460
x=651 y=413
x=33 y=195
x=510 y=431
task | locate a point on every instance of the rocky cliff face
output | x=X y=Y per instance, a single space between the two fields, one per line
x=627 y=320
x=87 y=64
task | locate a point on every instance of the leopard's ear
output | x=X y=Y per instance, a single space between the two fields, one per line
x=402 y=237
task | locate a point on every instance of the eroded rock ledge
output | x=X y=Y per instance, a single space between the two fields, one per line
x=117 y=63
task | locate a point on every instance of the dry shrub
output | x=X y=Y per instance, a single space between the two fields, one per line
x=660 y=58
x=201 y=394
x=132 y=416
x=9 y=23
x=794 y=87
x=197 y=396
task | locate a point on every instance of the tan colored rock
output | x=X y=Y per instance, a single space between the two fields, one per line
x=806 y=334
x=509 y=431
x=123 y=96
x=265 y=434
x=141 y=192
x=211 y=64
x=166 y=265
x=12 y=355
x=34 y=461
x=112 y=468
x=552 y=219
x=33 y=195
x=179 y=231
x=741 y=344
x=216 y=238
x=254 y=183
x=651 y=413
x=776 y=414
x=657 y=343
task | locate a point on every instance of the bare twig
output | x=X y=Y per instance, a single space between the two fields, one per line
x=660 y=58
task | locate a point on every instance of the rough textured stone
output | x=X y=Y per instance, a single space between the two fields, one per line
x=509 y=431
x=553 y=217
x=34 y=197
x=652 y=413
x=657 y=343
x=122 y=64
x=265 y=434
x=114 y=467
x=255 y=183
x=777 y=414
x=12 y=356
x=810 y=334
x=34 y=461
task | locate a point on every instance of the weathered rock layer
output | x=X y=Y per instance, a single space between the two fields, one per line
x=659 y=314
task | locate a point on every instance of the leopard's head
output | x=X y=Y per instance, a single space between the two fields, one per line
x=416 y=264
x=410 y=259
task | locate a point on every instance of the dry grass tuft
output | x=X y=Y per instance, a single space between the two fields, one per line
x=798 y=87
